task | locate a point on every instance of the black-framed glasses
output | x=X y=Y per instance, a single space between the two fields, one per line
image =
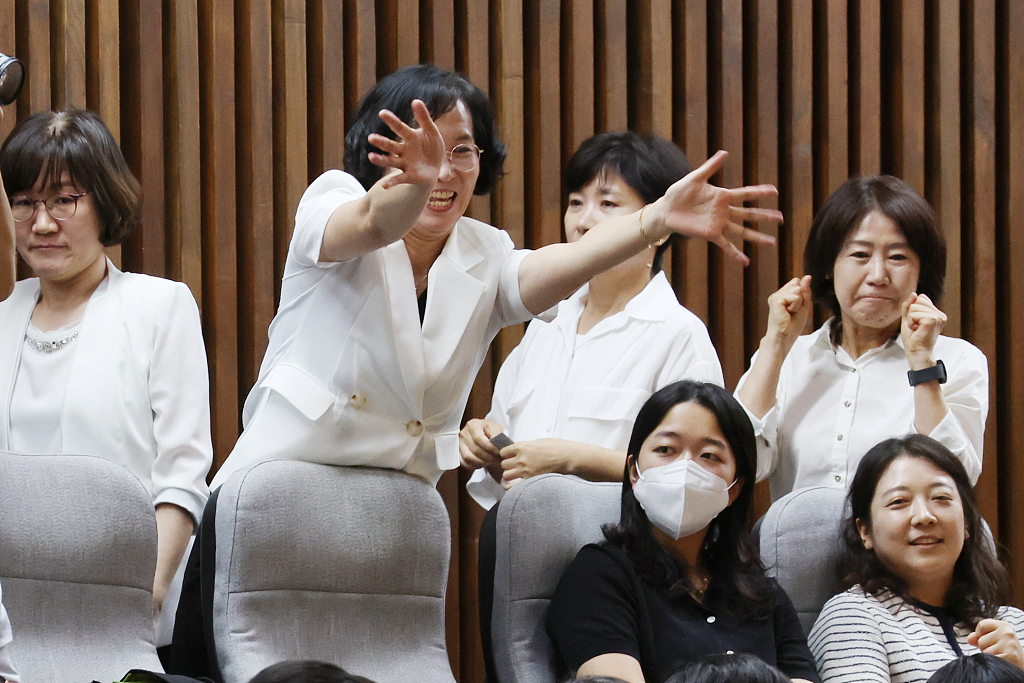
x=464 y=157
x=60 y=206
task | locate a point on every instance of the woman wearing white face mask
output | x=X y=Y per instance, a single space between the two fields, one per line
x=678 y=578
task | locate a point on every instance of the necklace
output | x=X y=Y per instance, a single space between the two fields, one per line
x=48 y=346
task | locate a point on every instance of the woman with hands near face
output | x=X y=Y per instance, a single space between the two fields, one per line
x=922 y=583
x=568 y=393
x=876 y=259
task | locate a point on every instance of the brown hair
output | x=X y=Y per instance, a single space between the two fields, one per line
x=75 y=142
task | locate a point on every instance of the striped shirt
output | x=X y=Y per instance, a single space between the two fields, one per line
x=866 y=639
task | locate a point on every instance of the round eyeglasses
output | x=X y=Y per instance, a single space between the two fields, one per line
x=464 y=157
x=60 y=206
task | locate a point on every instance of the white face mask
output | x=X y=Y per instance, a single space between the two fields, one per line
x=681 y=498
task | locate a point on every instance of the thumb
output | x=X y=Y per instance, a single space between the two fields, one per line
x=905 y=308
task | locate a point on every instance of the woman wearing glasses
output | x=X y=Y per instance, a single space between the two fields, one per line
x=391 y=295
x=93 y=360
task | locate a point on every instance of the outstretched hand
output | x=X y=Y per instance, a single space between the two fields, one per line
x=415 y=158
x=694 y=207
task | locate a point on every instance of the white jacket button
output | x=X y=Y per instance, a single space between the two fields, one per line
x=357 y=401
x=414 y=427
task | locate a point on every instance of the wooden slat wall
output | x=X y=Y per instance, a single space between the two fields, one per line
x=227 y=110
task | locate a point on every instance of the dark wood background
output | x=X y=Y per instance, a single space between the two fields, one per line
x=226 y=110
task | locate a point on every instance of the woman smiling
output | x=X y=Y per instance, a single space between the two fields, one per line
x=923 y=583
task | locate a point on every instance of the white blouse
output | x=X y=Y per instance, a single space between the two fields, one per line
x=6 y=666
x=589 y=387
x=830 y=410
x=39 y=390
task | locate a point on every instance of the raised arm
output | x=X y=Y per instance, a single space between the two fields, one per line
x=391 y=207
x=692 y=206
x=7 y=252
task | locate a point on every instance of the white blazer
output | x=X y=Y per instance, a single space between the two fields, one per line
x=350 y=376
x=139 y=389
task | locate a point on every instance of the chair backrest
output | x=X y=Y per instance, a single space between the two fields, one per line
x=341 y=564
x=800 y=547
x=542 y=523
x=77 y=559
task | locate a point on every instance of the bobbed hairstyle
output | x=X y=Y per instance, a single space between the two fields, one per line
x=77 y=144
x=441 y=90
x=735 y=668
x=306 y=671
x=648 y=164
x=728 y=553
x=980 y=582
x=843 y=212
x=978 y=668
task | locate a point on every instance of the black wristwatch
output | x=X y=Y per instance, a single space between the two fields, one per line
x=935 y=372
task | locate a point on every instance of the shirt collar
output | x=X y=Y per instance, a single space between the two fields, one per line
x=823 y=340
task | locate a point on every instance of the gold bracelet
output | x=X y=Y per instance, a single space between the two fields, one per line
x=651 y=244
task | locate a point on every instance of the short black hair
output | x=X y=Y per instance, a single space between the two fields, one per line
x=728 y=552
x=978 y=668
x=78 y=143
x=647 y=163
x=980 y=582
x=441 y=90
x=728 y=668
x=843 y=212
x=306 y=671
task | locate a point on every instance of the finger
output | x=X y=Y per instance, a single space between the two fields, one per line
x=382 y=160
x=754 y=214
x=384 y=143
x=905 y=306
x=732 y=251
x=749 y=193
x=710 y=167
x=397 y=125
x=423 y=119
x=737 y=231
x=468 y=458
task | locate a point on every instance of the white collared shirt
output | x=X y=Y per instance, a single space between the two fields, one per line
x=7 y=671
x=830 y=409
x=589 y=387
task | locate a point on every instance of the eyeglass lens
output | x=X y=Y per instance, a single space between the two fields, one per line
x=464 y=157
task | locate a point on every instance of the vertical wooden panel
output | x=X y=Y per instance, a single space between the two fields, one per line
x=865 y=58
x=437 y=34
x=217 y=101
x=980 y=258
x=103 y=88
x=691 y=91
x=908 y=94
x=577 y=75
x=651 y=97
x=181 y=121
x=68 y=17
x=611 y=23
x=258 y=265
x=142 y=137
x=33 y=31
x=290 y=179
x=8 y=46
x=544 y=182
x=796 y=180
x=943 y=190
x=326 y=86
x=475 y=63
x=1011 y=468
x=835 y=166
x=360 y=53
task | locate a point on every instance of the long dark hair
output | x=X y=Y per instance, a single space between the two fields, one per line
x=440 y=90
x=728 y=553
x=980 y=582
x=648 y=164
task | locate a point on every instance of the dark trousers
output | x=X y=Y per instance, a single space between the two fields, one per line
x=191 y=652
x=485 y=587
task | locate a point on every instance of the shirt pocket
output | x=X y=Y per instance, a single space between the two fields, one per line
x=300 y=389
x=606 y=403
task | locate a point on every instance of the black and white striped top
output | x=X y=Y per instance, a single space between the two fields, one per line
x=859 y=638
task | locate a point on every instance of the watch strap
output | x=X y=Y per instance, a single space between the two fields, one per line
x=935 y=372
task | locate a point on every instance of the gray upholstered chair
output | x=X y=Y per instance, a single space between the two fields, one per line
x=800 y=547
x=77 y=558
x=342 y=564
x=542 y=522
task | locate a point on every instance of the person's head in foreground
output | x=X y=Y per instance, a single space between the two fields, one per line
x=734 y=668
x=914 y=529
x=979 y=668
x=306 y=671
x=689 y=483
x=619 y=173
